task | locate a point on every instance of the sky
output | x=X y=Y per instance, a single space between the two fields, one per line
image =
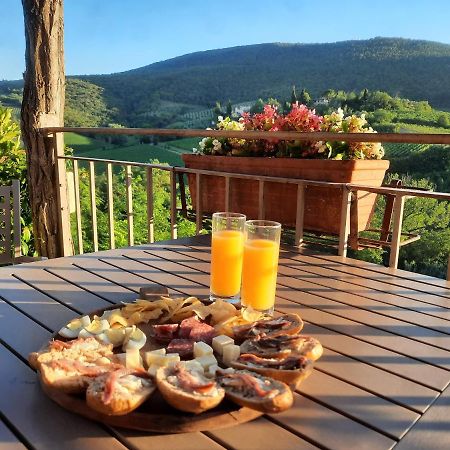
x=106 y=36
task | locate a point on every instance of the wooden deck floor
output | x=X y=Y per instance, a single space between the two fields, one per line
x=381 y=383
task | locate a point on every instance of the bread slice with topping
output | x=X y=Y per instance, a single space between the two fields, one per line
x=283 y=344
x=72 y=376
x=119 y=392
x=255 y=391
x=187 y=389
x=291 y=369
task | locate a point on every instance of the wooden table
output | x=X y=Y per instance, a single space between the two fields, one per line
x=382 y=382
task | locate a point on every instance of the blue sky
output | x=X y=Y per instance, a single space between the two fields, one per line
x=105 y=36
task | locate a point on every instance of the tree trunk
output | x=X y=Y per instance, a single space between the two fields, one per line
x=43 y=106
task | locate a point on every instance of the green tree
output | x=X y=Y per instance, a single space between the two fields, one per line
x=443 y=121
x=13 y=165
x=294 y=98
x=305 y=97
x=229 y=110
x=258 y=107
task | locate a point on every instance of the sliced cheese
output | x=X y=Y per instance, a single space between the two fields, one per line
x=206 y=361
x=155 y=357
x=202 y=349
x=193 y=364
x=231 y=352
x=220 y=342
x=153 y=369
x=133 y=359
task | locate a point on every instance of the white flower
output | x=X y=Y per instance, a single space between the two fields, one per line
x=219 y=118
x=195 y=150
x=216 y=143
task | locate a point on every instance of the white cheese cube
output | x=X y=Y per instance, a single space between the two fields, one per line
x=212 y=369
x=193 y=364
x=206 y=361
x=202 y=349
x=155 y=357
x=231 y=352
x=133 y=359
x=219 y=342
x=171 y=359
x=153 y=369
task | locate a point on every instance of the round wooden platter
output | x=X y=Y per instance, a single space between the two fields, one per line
x=155 y=415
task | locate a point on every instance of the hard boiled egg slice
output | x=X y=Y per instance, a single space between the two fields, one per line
x=116 y=336
x=72 y=329
x=84 y=333
x=136 y=339
x=97 y=326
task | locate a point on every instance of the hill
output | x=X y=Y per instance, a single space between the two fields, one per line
x=158 y=94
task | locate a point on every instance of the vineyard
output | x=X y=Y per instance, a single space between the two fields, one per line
x=403 y=150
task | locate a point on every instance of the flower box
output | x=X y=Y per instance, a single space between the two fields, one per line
x=322 y=204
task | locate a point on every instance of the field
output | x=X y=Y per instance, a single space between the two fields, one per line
x=168 y=152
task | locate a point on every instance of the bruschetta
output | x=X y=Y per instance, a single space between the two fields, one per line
x=187 y=389
x=255 y=391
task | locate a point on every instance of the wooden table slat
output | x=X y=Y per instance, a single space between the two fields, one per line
x=409 y=288
x=41 y=422
x=379 y=381
x=432 y=431
x=359 y=324
x=8 y=440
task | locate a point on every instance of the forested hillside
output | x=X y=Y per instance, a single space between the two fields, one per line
x=158 y=94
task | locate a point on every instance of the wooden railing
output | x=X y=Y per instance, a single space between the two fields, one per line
x=348 y=190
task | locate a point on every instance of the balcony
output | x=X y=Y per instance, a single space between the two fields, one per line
x=85 y=232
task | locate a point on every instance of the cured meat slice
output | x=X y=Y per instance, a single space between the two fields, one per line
x=202 y=332
x=165 y=332
x=186 y=326
x=184 y=347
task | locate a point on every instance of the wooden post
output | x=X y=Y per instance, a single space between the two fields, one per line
x=448 y=269
x=300 y=215
x=43 y=106
x=399 y=204
x=345 y=222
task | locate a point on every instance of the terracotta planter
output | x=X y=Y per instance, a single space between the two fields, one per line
x=322 y=204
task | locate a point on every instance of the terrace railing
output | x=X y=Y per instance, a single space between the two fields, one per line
x=348 y=191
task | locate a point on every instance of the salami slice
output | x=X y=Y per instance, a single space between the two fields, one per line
x=165 y=332
x=186 y=326
x=184 y=347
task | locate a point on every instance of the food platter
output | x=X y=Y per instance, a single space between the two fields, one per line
x=155 y=414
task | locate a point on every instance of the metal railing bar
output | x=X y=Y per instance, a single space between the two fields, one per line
x=150 y=212
x=129 y=193
x=418 y=138
x=109 y=178
x=93 y=205
x=350 y=186
x=344 y=229
x=173 y=204
x=117 y=162
x=261 y=205
x=227 y=193
x=76 y=185
x=300 y=215
x=397 y=220
x=198 y=203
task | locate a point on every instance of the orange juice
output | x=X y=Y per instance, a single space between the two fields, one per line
x=259 y=273
x=226 y=262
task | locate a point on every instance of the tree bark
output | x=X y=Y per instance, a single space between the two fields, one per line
x=43 y=105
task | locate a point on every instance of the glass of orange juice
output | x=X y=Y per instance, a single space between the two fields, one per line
x=227 y=248
x=260 y=265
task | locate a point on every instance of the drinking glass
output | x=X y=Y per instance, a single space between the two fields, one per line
x=259 y=272
x=227 y=250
